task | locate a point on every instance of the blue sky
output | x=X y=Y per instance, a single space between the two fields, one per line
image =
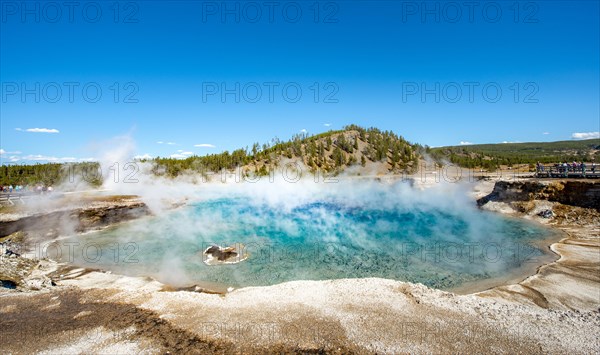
x=214 y=76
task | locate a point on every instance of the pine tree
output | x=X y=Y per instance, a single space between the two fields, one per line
x=341 y=142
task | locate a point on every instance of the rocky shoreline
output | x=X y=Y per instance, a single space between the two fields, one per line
x=557 y=310
x=27 y=235
x=573 y=207
x=60 y=219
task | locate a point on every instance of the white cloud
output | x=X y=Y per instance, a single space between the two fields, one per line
x=585 y=135
x=205 y=145
x=327 y=124
x=40 y=130
x=505 y=142
x=181 y=155
x=18 y=129
x=39 y=157
x=145 y=156
x=2 y=152
x=12 y=158
x=167 y=143
x=303 y=130
x=160 y=142
x=43 y=158
x=465 y=143
x=546 y=133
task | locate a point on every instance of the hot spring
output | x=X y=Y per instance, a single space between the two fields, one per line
x=437 y=237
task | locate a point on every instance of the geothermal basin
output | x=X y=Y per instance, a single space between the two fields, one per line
x=437 y=237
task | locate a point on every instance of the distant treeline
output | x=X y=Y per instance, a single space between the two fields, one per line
x=491 y=156
x=331 y=152
x=51 y=174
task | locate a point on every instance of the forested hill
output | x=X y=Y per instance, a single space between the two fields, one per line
x=332 y=151
x=491 y=156
x=362 y=150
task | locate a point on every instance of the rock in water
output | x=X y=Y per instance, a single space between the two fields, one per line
x=216 y=255
x=221 y=254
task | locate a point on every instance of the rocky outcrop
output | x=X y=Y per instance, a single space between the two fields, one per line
x=577 y=193
x=17 y=272
x=216 y=255
x=573 y=207
x=17 y=236
x=76 y=220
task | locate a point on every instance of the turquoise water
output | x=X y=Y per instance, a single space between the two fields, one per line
x=441 y=245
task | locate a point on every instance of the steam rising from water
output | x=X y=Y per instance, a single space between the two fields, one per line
x=294 y=230
x=309 y=230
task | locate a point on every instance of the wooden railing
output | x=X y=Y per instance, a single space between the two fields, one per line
x=12 y=198
x=569 y=171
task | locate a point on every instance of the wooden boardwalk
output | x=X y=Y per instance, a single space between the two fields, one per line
x=555 y=171
x=15 y=198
